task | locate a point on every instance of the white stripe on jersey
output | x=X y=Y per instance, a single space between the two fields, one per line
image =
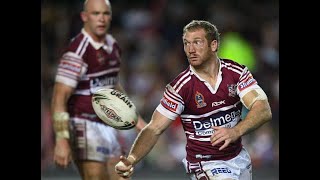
x=209 y=113
x=232 y=65
x=85 y=92
x=67 y=74
x=85 y=39
x=92 y=90
x=178 y=82
x=186 y=120
x=72 y=57
x=183 y=83
x=231 y=68
x=191 y=136
x=244 y=74
x=70 y=69
x=67 y=81
x=174 y=100
x=84 y=48
x=172 y=96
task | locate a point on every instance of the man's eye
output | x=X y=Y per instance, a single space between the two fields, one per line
x=198 y=42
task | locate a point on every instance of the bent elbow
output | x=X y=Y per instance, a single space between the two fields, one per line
x=268 y=114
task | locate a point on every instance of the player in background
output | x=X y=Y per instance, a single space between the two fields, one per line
x=91 y=61
x=208 y=96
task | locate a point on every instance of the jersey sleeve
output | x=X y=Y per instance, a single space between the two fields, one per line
x=70 y=69
x=171 y=105
x=246 y=83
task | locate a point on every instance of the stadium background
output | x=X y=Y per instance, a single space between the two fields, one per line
x=149 y=32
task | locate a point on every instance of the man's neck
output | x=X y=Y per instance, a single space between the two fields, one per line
x=93 y=36
x=208 y=70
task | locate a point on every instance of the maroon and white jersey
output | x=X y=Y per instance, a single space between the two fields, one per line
x=87 y=66
x=202 y=106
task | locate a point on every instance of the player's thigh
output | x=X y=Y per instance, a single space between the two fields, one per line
x=91 y=170
x=111 y=168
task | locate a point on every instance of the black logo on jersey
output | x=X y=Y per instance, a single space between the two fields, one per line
x=101 y=58
x=199 y=100
x=232 y=88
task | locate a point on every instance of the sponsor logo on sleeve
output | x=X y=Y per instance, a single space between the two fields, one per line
x=172 y=106
x=70 y=66
x=247 y=83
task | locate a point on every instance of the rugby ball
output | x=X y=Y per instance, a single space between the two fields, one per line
x=115 y=108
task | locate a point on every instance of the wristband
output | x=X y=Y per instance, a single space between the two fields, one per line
x=62 y=134
x=61 y=116
x=133 y=158
x=60 y=124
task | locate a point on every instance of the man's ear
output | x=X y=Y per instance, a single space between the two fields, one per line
x=214 y=45
x=84 y=16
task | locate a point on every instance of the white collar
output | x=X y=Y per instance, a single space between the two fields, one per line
x=96 y=45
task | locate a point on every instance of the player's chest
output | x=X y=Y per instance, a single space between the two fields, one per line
x=202 y=99
x=102 y=59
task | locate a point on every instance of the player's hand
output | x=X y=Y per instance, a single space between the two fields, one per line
x=62 y=153
x=124 y=167
x=221 y=134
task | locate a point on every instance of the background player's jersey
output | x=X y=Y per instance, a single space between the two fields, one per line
x=202 y=106
x=87 y=66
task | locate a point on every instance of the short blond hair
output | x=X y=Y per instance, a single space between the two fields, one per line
x=211 y=30
x=86 y=2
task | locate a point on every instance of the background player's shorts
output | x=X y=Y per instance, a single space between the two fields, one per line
x=93 y=140
x=237 y=168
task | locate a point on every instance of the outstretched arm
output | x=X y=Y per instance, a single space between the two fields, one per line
x=143 y=144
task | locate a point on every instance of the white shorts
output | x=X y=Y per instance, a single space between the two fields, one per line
x=237 y=168
x=93 y=140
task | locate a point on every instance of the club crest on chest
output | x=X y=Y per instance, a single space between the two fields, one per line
x=199 y=99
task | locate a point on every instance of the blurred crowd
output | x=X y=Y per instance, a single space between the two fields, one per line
x=150 y=35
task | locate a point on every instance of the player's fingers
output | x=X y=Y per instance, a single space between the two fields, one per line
x=128 y=173
x=226 y=143
x=61 y=161
x=125 y=160
x=217 y=140
x=120 y=167
x=122 y=157
x=215 y=137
